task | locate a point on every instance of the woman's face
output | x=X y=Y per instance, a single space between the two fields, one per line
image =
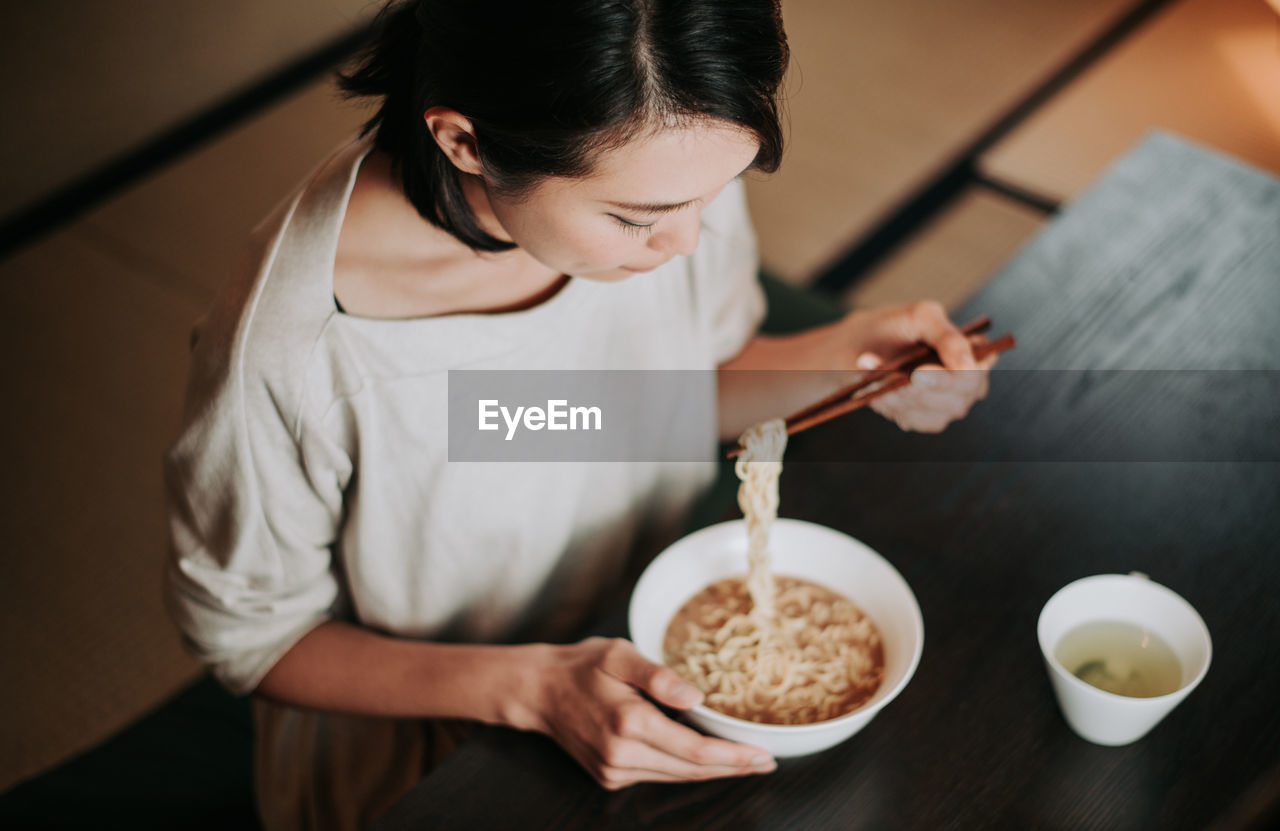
x=640 y=207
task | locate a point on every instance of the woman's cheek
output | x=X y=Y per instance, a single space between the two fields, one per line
x=598 y=249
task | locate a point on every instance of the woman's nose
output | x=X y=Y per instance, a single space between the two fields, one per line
x=680 y=237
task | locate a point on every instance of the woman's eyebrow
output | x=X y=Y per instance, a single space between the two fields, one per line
x=652 y=207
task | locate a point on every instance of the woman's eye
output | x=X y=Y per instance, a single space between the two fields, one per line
x=637 y=228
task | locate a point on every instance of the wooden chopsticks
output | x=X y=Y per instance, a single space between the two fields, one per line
x=893 y=375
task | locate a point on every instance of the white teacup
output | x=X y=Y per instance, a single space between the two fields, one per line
x=1109 y=718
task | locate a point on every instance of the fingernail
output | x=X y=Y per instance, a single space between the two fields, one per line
x=688 y=695
x=763 y=763
x=867 y=360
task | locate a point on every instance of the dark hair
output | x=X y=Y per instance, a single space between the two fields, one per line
x=547 y=84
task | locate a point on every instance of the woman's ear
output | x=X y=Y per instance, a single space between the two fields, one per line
x=456 y=136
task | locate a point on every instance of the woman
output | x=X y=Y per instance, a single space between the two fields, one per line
x=545 y=185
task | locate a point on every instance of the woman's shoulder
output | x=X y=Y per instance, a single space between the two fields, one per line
x=266 y=320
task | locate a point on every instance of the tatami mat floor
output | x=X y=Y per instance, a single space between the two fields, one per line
x=950 y=257
x=132 y=69
x=98 y=321
x=97 y=351
x=884 y=96
x=1206 y=69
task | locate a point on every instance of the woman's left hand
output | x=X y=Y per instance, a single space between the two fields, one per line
x=939 y=393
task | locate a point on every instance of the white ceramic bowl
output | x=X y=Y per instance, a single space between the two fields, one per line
x=799 y=549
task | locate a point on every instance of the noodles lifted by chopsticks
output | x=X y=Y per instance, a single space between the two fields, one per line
x=773 y=650
x=758 y=468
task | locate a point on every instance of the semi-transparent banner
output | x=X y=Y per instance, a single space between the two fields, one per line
x=1027 y=415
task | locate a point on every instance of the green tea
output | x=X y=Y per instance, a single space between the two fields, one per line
x=1121 y=658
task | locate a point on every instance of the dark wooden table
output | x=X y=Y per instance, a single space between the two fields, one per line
x=1136 y=426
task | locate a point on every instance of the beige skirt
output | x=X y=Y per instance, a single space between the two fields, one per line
x=326 y=772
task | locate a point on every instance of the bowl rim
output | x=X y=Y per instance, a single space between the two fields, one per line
x=865 y=711
x=1133 y=578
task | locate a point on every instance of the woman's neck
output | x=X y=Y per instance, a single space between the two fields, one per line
x=392 y=263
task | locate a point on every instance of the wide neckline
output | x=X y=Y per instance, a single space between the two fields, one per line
x=349 y=163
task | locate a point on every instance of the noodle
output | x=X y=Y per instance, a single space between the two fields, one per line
x=778 y=650
x=759 y=466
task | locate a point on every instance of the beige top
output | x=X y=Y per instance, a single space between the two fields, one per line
x=312 y=479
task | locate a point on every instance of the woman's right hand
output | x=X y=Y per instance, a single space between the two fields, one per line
x=587 y=697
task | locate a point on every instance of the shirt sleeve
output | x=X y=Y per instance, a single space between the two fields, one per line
x=254 y=503
x=730 y=301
